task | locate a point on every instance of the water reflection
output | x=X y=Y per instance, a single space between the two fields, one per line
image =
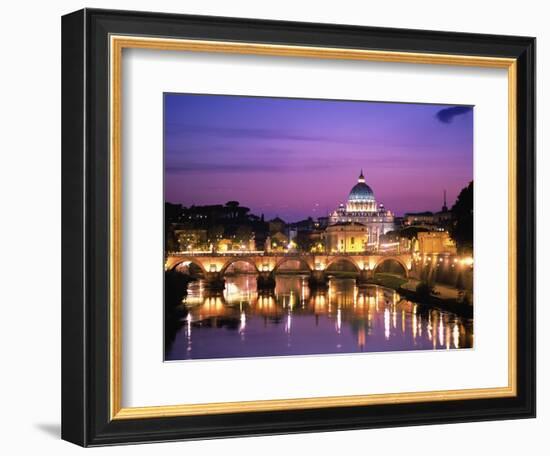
x=241 y=322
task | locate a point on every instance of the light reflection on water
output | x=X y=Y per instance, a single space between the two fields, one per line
x=292 y=320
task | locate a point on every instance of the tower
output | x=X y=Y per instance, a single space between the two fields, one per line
x=444 y=208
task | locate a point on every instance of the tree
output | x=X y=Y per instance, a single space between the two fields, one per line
x=232 y=204
x=170 y=241
x=214 y=234
x=305 y=242
x=462 y=229
x=243 y=233
x=172 y=214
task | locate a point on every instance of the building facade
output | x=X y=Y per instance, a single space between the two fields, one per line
x=346 y=237
x=191 y=239
x=435 y=242
x=362 y=209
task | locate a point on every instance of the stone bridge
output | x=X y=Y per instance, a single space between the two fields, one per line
x=214 y=265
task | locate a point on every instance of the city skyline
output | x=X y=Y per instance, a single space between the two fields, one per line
x=298 y=158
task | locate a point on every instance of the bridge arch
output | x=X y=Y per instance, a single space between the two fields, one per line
x=395 y=259
x=345 y=259
x=239 y=260
x=173 y=263
x=301 y=261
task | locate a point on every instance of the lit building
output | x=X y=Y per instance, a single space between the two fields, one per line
x=362 y=209
x=230 y=245
x=435 y=242
x=191 y=239
x=277 y=243
x=346 y=237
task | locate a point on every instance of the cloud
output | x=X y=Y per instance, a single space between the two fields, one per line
x=222 y=167
x=175 y=129
x=243 y=167
x=447 y=115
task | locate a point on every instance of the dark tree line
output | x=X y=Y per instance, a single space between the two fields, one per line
x=462 y=228
x=229 y=220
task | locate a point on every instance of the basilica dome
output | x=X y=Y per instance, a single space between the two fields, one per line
x=357 y=225
x=361 y=192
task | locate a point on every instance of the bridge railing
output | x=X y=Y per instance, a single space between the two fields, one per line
x=282 y=254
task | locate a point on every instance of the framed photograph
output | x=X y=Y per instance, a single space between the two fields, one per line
x=278 y=227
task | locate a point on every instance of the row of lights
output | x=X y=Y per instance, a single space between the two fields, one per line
x=467 y=261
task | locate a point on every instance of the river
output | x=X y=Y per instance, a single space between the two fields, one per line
x=294 y=321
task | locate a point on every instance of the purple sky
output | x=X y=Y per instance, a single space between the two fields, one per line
x=297 y=158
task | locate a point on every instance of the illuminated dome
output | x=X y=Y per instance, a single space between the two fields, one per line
x=361 y=214
x=361 y=192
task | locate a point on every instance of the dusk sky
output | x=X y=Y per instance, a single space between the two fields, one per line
x=296 y=158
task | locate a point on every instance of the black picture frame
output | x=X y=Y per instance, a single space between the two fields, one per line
x=85 y=225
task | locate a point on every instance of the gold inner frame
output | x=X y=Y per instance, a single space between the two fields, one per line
x=117 y=44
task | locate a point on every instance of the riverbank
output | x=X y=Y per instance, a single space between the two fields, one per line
x=444 y=298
